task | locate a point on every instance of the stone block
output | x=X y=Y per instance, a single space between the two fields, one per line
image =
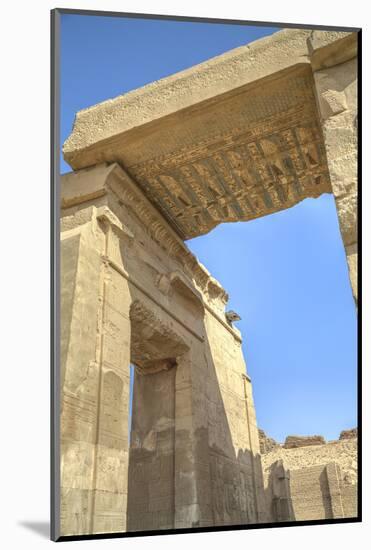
x=293 y=441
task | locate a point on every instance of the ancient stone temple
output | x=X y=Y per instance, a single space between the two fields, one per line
x=246 y=134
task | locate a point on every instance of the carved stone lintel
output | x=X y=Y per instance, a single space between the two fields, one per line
x=152 y=367
x=154 y=344
x=106 y=215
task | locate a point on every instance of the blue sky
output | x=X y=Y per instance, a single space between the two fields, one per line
x=286 y=273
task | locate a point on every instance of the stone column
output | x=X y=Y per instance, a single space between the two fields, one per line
x=192 y=469
x=151 y=468
x=336 y=88
x=80 y=287
x=112 y=456
x=95 y=355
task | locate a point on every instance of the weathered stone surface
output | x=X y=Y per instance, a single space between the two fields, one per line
x=134 y=294
x=243 y=135
x=336 y=89
x=348 y=434
x=206 y=81
x=293 y=441
x=352 y=259
x=235 y=139
x=329 y=48
x=242 y=161
x=313 y=482
x=239 y=136
x=266 y=443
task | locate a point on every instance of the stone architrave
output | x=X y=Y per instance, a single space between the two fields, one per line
x=250 y=132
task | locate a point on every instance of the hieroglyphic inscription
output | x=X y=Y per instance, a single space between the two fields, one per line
x=270 y=158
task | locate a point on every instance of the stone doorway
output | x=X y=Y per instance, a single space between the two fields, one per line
x=155 y=353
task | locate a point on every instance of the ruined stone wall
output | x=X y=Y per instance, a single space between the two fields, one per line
x=350 y=500
x=313 y=481
x=309 y=493
x=294 y=441
x=266 y=443
x=343 y=452
x=349 y=434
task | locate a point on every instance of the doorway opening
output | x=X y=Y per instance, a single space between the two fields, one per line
x=155 y=351
x=287 y=278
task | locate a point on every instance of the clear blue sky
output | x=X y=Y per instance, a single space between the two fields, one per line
x=286 y=273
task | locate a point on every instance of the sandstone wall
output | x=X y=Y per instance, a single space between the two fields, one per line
x=337 y=100
x=266 y=443
x=133 y=293
x=248 y=133
x=348 y=434
x=314 y=492
x=294 y=441
x=311 y=481
x=343 y=452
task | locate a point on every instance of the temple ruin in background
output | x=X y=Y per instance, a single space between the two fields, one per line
x=308 y=478
x=251 y=132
